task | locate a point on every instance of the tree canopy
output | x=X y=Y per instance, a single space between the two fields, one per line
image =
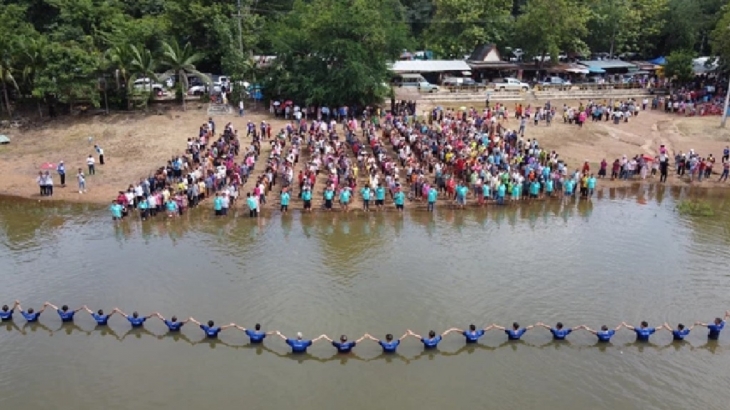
x=69 y=52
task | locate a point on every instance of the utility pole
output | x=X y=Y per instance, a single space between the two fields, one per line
x=724 y=108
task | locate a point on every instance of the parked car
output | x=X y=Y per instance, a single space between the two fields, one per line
x=426 y=87
x=510 y=84
x=458 y=81
x=199 y=89
x=556 y=81
x=146 y=84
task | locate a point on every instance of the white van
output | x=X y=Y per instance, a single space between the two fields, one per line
x=414 y=80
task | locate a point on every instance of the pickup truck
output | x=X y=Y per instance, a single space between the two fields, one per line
x=510 y=84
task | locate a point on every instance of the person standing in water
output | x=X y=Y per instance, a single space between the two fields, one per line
x=99 y=317
x=643 y=332
x=211 y=330
x=430 y=342
x=6 y=313
x=285 y=196
x=173 y=325
x=559 y=332
x=680 y=332
x=471 y=335
x=605 y=334
x=389 y=345
x=716 y=327
x=135 y=320
x=299 y=345
x=66 y=314
x=343 y=346
x=255 y=335
x=31 y=316
x=516 y=332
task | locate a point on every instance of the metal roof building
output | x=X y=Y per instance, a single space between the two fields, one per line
x=429 y=66
x=608 y=64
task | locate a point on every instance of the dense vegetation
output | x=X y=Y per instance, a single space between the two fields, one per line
x=63 y=52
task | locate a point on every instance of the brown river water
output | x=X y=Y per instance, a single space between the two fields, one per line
x=627 y=255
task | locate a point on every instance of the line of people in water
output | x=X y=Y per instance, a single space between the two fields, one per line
x=389 y=344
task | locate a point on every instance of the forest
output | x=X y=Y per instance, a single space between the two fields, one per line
x=65 y=52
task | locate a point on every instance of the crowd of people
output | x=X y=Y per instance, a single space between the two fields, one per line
x=389 y=344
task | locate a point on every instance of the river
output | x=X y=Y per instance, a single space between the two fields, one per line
x=627 y=255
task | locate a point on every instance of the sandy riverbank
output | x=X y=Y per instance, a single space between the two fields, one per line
x=137 y=144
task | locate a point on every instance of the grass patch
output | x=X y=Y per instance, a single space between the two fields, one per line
x=695 y=208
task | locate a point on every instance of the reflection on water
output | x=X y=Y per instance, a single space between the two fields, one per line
x=626 y=255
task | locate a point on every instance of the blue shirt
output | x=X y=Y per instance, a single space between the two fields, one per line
x=218 y=203
x=329 y=194
x=67 y=316
x=431 y=343
x=559 y=334
x=6 y=315
x=605 y=335
x=251 y=203
x=680 y=334
x=307 y=195
x=432 y=195
x=365 y=193
x=298 y=346
x=285 y=199
x=173 y=326
x=715 y=330
x=211 y=332
x=345 y=196
x=116 y=210
x=344 y=347
x=642 y=334
x=486 y=190
x=501 y=190
x=513 y=334
x=399 y=198
x=389 y=347
x=136 y=321
x=473 y=337
x=380 y=193
x=101 y=320
x=31 y=317
x=255 y=336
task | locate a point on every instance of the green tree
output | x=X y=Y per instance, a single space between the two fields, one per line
x=548 y=27
x=460 y=25
x=720 y=40
x=7 y=80
x=679 y=66
x=180 y=62
x=331 y=52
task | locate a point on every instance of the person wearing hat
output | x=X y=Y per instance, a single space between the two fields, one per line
x=299 y=345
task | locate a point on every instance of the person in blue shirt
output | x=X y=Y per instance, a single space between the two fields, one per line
x=64 y=313
x=472 y=335
x=559 y=331
x=218 y=205
x=534 y=189
x=255 y=335
x=642 y=332
x=211 y=330
x=299 y=345
x=173 y=325
x=6 y=313
x=389 y=345
x=116 y=210
x=433 y=195
x=680 y=332
x=329 y=193
x=399 y=198
x=549 y=187
x=604 y=335
x=716 y=327
x=516 y=332
x=365 y=192
x=345 y=198
x=344 y=346
x=379 y=196
x=501 y=191
x=253 y=206
x=307 y=198
x=591 y=185
x=135 y=320
x=100 y=318
x=30 y=315
x=430 y=342
x=285 y=196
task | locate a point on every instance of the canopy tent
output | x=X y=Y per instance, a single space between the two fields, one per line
x=659 y=61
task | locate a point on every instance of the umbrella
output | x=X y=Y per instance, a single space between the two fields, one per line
x=4 y=139
x=288 y=102
x=276 y=103
x=48 y=165
x=648 y=158
x=462 y=108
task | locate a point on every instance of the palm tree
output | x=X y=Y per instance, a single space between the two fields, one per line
x=144 y=64
x=6 y=78
x=120 y=59
x=33 y=56
x=181 y=62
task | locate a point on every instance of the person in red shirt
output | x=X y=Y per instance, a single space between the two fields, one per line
x=122 y=199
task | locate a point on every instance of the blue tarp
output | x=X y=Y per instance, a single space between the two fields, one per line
x=596 y=70
x=659 y=61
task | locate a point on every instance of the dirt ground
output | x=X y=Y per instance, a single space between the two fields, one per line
x=136 y=144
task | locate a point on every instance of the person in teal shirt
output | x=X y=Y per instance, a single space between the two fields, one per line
x=433 y=194
x=285 y=196
x=171 y=207
x=486 y=191
x=591 y=185
x=379 y=196
x=569 y=187
x=399 y=198
x=307 y=198
x=116 y=210
x=143 y=209
x=345 y=198
x=515 y=191
x=329 y=193
x=549 y=187
x=501 y=191
x=365 y=192
x=253 y=205
x=534 y=189
x=218 y=205
x=461 y=191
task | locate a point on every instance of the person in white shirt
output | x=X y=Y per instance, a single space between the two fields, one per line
x=100 y=151
x=90 y=161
